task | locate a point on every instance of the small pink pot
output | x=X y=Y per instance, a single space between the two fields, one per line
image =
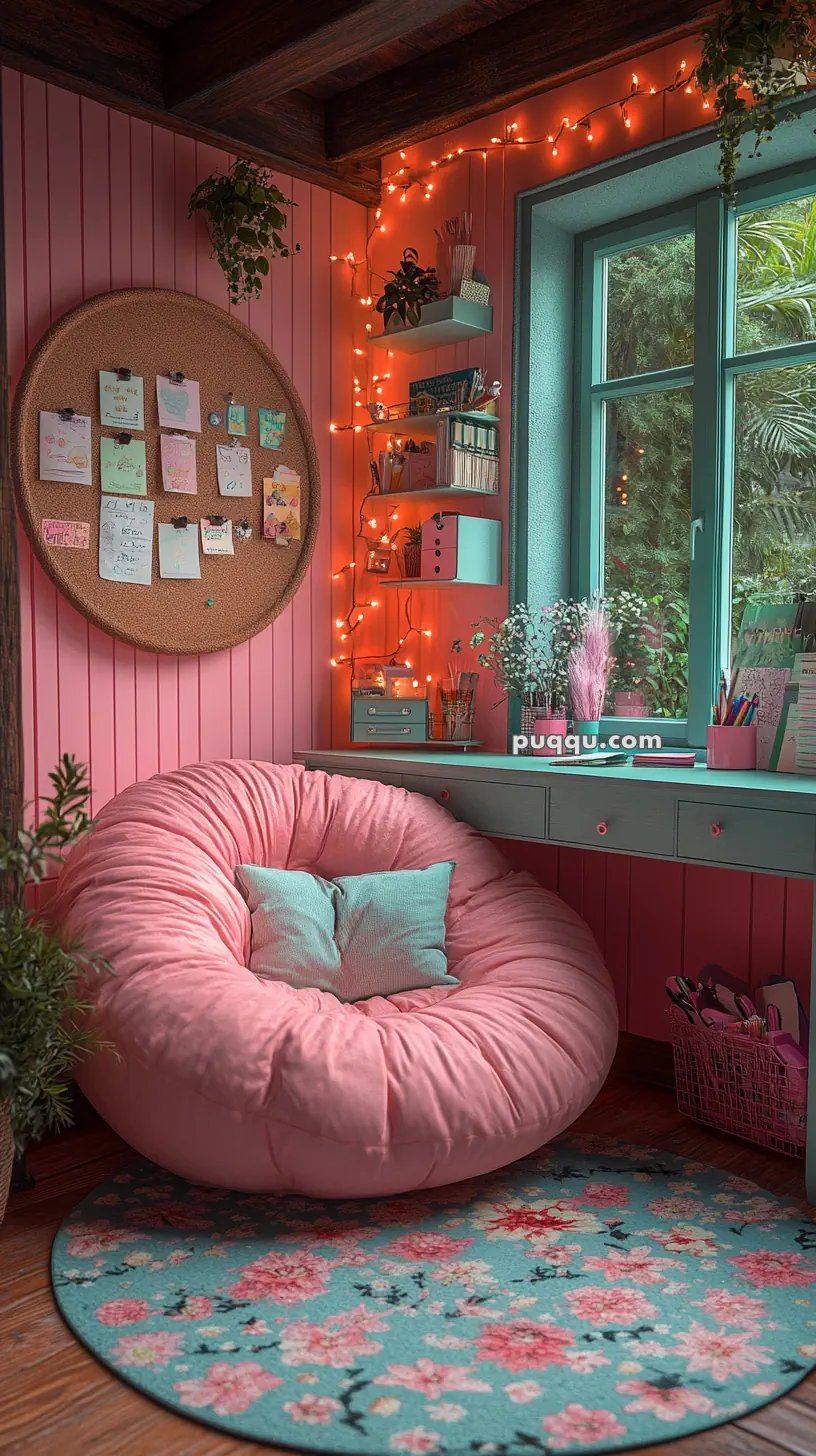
x=734 y=748
x=547 y=728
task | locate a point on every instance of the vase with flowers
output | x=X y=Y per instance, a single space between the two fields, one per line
x=590 y=663
x=629 y=622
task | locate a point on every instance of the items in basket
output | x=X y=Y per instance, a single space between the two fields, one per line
x=741 y=1063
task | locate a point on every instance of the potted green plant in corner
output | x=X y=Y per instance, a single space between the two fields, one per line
x=405 y=291
x=42 y=1028
x=767 y=47
x=245 y=219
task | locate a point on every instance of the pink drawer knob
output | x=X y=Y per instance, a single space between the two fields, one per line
x=444 y=794
x=716 y=831
x=603 y=827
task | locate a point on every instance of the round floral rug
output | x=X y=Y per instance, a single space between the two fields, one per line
x=594 y=1297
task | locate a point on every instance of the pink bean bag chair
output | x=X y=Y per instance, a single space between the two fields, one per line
x=227 y=1079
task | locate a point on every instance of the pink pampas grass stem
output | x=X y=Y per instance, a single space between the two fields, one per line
x=589 y=664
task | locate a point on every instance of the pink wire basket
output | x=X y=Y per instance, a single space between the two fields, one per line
x=738 y=1086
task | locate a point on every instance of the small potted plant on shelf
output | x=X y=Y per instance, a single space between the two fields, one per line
x=766 y=48
x=43 y=1031
x=406 y=290
x=411 y=551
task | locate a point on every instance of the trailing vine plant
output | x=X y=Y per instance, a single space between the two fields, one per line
x=244 y=215
x=767 y=47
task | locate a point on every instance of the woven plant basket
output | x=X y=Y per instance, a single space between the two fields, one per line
x=411 y=560
x=6 y=1155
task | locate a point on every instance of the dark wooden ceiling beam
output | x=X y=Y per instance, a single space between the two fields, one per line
x=502 y=64
x=102 y=52
x=232 y=55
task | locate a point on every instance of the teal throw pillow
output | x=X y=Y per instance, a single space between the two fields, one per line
x=356 y=935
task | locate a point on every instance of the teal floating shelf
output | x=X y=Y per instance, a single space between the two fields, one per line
x=450 y=320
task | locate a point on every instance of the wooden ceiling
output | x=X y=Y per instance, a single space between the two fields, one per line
x=322 y=89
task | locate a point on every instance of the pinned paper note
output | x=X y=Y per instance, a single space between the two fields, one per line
x=123 y=467
x=178 y=459
x=234 y=470
x=126 y=540
x=65 y=448
x=216 y=539
x=178 y=552
x=179 y=405
x=67 y=533
x=282 y=506
x=271 y=425
x=237 y=419
x=121 y=401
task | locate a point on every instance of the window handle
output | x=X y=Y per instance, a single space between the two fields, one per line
x=698 y=524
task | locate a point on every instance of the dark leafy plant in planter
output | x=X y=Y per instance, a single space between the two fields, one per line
x=41 y=974
x=244 y=215
x=407 y=289
x=768 y=46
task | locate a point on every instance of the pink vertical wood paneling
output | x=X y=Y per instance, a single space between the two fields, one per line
x=96 y=200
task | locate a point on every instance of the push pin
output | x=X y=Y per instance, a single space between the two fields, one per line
x=210 y=601
x=124 y=374
x=123 y=438
x=179 y=523
x=217 y=520
x=67 y=413
x=175 y=376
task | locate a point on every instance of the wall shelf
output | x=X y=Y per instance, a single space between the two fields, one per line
x=451 y=320
x=407 y=423
x=447 y=491
x=409 y=582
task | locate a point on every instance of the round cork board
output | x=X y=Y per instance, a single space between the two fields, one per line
x=151 y=331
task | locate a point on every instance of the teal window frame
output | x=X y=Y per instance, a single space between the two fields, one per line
x=711 y=376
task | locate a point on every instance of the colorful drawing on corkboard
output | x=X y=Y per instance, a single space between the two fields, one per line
x=76 y=534
x=216 y=537
x=123 y=467
x=178 y=552
x=179 y=405
x=121 y=401
x=237 y=419
x=178 y=459
x=282 y=506
x=65 y=448
x=234 y=470
x=271 y=425
x=126 y=540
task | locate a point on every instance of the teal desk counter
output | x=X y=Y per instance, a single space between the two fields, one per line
x=752 y=821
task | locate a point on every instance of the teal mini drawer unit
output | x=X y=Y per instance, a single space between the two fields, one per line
x=389 y=720
x=768 y=839
x=461 y=548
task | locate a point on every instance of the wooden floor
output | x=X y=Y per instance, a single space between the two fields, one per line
x=55 y=1400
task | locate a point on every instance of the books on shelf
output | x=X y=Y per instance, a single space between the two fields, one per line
x=794 y=748
x=466 y=455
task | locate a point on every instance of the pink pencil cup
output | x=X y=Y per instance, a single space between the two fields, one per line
x=731 y=747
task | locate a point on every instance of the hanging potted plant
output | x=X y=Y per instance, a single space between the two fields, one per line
x=42 y=1030
x=243 y=208
x=767 y=47
x=406 y=289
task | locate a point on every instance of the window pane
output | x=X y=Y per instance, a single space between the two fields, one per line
x=774 y=550
x=646 y=534
x=776 y=275
x=650 y=307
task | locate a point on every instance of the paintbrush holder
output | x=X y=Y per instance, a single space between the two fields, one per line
x=462 y=259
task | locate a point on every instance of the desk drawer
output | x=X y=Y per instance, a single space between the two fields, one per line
x=605 y=815
x=359 y=773
x=769 y=839
x=504 y=809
